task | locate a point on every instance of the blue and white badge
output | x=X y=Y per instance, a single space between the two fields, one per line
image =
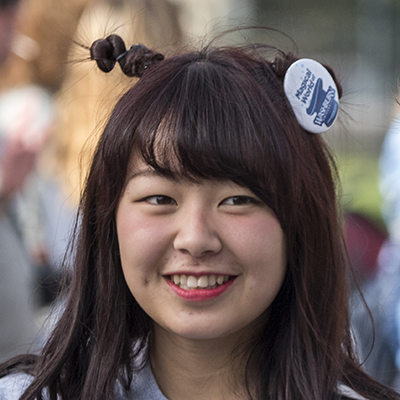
x=312 y=94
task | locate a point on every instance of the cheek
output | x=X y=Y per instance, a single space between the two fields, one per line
x=143 y=245
x=142 y=242
x=261 y=248
x=261 y=242
x=135 y=246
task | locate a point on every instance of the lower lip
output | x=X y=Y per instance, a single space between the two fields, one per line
x=200 y=294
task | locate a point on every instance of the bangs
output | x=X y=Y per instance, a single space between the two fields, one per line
x=206 y=122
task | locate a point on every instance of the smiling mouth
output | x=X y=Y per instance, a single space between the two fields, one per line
x=190 y=282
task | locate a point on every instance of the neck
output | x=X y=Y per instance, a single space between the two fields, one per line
x=197 y=369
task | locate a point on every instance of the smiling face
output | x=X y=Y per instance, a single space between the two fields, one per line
x=203 y=260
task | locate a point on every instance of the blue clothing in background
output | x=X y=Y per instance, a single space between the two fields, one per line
x=390 y=189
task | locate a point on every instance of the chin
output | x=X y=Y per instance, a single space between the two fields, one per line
x=202 y=331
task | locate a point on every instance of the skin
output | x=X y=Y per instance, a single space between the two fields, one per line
x=168 y=227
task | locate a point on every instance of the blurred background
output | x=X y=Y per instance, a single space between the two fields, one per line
x=360 y=40
x=54 y=102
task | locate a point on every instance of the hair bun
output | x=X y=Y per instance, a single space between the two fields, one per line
x=137 y=59
x=106 y=51
x=133 y=62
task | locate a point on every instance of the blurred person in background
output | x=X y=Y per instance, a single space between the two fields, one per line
x=30 y=73
x=379 y=344
x=389 y=282
x=17 y=160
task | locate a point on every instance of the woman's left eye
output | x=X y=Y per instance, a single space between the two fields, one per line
x=239 y=201
x=160 y=200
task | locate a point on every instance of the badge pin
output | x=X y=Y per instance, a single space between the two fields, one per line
x=312 y=94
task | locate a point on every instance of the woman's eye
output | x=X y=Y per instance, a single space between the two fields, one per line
x=239 y=201
x=160 y=200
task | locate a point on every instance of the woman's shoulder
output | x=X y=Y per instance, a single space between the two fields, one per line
x=144 y=386
x=349 y=393
x=13 y=386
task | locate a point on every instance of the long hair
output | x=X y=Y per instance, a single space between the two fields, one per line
x=217 y=113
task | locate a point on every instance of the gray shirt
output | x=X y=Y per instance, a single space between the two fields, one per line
x=144 y=387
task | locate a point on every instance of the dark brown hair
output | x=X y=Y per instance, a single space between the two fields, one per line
x=222 y=114
x=8 y=3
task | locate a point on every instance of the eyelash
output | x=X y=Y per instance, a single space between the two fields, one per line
x=171 y=201
x=248 y=200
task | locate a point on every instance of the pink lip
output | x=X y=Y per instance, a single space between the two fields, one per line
x=200 y=294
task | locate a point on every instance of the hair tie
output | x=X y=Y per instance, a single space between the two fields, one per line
x=313 y=95
x=121 y=56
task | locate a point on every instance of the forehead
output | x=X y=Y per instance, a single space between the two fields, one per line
x=139 y=168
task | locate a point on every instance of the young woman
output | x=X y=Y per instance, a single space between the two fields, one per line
x=209 y=261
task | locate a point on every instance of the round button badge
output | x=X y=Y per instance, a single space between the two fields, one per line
x=312 y=94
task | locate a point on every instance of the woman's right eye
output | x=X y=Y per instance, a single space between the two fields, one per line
x=160 y=200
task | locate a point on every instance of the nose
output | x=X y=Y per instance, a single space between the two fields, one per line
x=197 y=235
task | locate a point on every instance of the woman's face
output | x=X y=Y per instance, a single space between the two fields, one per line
x=203 y=260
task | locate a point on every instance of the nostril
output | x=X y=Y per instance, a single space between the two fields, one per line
x=197 y=243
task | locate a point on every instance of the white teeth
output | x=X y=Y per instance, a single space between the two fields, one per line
x=191 y=282
x=212 y=280
x=202 y=281
x=183 y=279
x=205 y=281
